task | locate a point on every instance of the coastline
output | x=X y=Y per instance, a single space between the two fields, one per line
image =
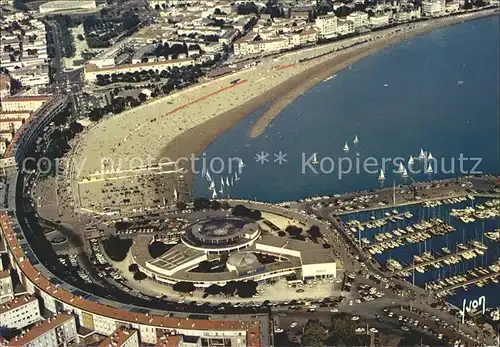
x=194 y=140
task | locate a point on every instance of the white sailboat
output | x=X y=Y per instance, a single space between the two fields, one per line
x=221 y=190
x=209 y=178
x=222 y=182
x=236 y=178
x=212 y=185
x=214 y=193
x=429 y=169
x=315 y=159
x=381 y=176
x=401 y=168
x=227 y=182
x=405 y=173
x=411 y=161
x=422 y=154
x=241 y=164
x=356 y=140
x=346 y=147
x=430 y=156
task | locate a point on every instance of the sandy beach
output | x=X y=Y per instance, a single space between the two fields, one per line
x=186 y=122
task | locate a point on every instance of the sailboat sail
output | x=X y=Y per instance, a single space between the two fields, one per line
x=212 y=185
x=430 y=156
x=422 y=154
x=227 y=182
x=236 y=178
x=346 y=147
x=240 y=163
x=411 y=161
x=356 y=140
x=214 y=194
x=429 y=169
x=381 y=177
x=401 y=168
x=315 y=159
x=222 y=182
x=405 y=173
x=208 y=176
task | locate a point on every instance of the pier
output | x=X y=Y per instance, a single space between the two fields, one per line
x=468 y=282
x=435 y=260
x=382 y=219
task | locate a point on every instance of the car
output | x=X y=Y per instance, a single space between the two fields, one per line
x=334 y=310
x=311 y=310
x=373 y=330
x=360 y=330
x=440 y=336
x=405 y=328
x=282 y=314
x=355 y=318
x=293 y=325
x=358 y=301
x=351 y=303
x=278 y=330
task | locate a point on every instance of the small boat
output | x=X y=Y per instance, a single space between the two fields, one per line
x=222 y=182
x=386 y=85
x=212 y=185
x=346 y=147
x=381 y=176
x=241 y=164
x=429 y=157
x=236 y=178
x=405 y=173
x=209 y=178
x=401 y=168
x=356 y=140
x=315 y=159
x=214 y=194
x=429 y=169
x=227 y=182
x=411 y=161
x=422 y=154
x=460 y=83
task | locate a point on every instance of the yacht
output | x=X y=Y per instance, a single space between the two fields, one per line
x=493 y=235
x=381 y=176
x=346 y=147
x=356 y=140
x=422 y=154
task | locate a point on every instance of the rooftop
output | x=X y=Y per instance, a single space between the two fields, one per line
x=39 y=329
x=95 y=68
x=16 y=302
x=119 y=337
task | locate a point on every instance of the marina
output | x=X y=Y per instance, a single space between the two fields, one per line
x=431 y=246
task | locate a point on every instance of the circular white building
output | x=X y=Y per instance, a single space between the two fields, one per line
x=67 y=5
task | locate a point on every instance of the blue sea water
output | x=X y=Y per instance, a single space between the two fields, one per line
x=421 y=106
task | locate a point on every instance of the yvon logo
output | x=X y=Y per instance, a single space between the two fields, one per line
x=473 y=305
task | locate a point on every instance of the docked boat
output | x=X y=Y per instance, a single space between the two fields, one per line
x=420 y=269
x=479 y=244
x=446 y=250
x=461 y=246
x=493 y=235
x=394 y=264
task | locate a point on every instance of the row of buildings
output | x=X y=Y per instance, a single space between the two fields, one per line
x=23 y=49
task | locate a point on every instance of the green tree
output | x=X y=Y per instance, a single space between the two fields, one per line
x=314 y=334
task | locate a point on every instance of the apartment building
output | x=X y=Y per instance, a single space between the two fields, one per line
x=24 y=103
x=379 y=20
x=19 y=312
x=6 y=290
x=122 y=337
x=433 y=8
x=252 y=44
x=59 y=330
x=91 y=71
x=360 y=19
x=345 y=27
x=4 y=86
x=327 y=25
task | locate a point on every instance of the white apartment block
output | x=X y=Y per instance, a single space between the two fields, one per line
x=244 y=47
x=407 y=15
x=345 y=27
x=452 y=7
x=91 y=71
x=379 y=20
x=19 y=312
x=59 y=330
x=122 y=337
x=24 y=103
x=6 y=290
x=433 y=8
x=360 y=19
x=326 y=25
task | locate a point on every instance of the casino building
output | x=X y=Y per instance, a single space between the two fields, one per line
x=243 y=242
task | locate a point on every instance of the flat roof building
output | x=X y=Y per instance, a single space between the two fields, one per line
x=19 y=312
x=122 y=337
